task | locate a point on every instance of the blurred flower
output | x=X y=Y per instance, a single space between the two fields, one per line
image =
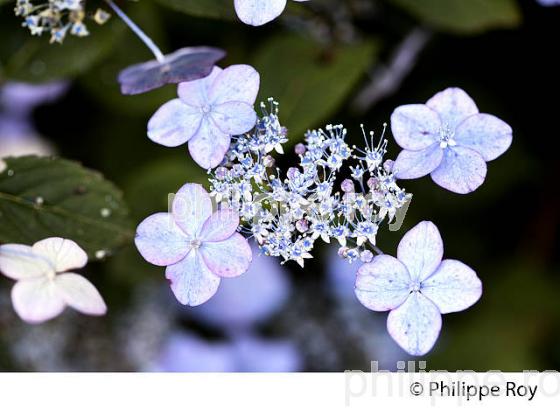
x=197 y=247
x=207 y=113
x=417 y=288
x=248 y=300
x=19 y=99
x=185 y=64
x=448 y=138
x=549 y=2
x=259 y=12
x=40 y=293
x=184 y=352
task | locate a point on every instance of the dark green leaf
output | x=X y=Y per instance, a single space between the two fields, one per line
x=309 y=81
x=464 y=16
x=42 y=197
x=221 y=9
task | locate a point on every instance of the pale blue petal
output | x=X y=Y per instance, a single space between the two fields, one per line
x=228 y=258
x=421 y=250
x=195 y=93
x=174 y=123
x=220 y=226
x=415 y=126
x=191 y=207
x=239 y=83
x=191 y=280
x=416 y=164
x=462 y=170
x=209 y=146
x=415 y=325
x=259 y=12
x=383 y=284
x=453 y=287
x=234 y=118
x=160 y=240
x=453 y=105
x=485 y=134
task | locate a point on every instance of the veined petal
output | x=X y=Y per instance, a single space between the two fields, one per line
x=415 y=126
x=416 y=164
x=220 y=226
x=453 y=105
x=462 y=170
x=191 y=280
x=228 y=258
x=80 y=294
x=195 y=93
x=37 y=300
x=259 y=12
x=209 y=146
x=160 y=240
x=383 y=284
x=453 y=287
x=421 y=250
x=174 y=123
x=236 y=83
x=64 y=254
x=20 y=262
x=485 y=134
x=415 y=325
x=191 y=207
x=234 y=118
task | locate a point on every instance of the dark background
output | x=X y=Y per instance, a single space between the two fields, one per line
x=507 y=230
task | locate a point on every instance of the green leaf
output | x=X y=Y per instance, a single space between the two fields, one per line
x=464 y=16
x=33 y=59
x=42 y=197
x=219 y=9
x=309 y=81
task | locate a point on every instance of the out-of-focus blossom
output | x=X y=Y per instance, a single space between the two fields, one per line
x=548 y=3
x=248 y=300
x=198 y=247
x=449 y=139
x=259 y=12
x=207 y=113
x=184 y=352
x=19 y=99
x=185 y=64
x=417 y=288
x=42 y=291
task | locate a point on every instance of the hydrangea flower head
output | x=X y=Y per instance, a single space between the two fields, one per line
x=417 y=288
x=42 y=291
x=207 y=113
x=448 y=138
x=259 y=12
x=198 y=247
x=185 y=64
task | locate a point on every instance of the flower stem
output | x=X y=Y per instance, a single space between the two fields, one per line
x=138 y=31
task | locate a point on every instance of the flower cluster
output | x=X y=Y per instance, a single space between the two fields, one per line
x=287 y=214
x=57 y=17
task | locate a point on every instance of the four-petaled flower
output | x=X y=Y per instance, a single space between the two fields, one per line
x=259 y=12
x=417 y=288
x=198 y=247
x=449 y=139
x=207 y=113
x=41 y=293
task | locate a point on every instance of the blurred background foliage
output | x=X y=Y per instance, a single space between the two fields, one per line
x=325 y=61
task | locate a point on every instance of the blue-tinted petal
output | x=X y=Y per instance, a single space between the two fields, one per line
x=209 y=145
x=416 y=164
x=485 y=134
x=462 y=170
x=453 y=105
x=259 y=12
x=191 y=207
x=453 y=287
x=234 y=118
x=415 y=325
x=383 y=284
x=228 y=258
x=236 y=83
x=415 y=126
x=421 y=250
x=174 y=123
x=196 y=92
